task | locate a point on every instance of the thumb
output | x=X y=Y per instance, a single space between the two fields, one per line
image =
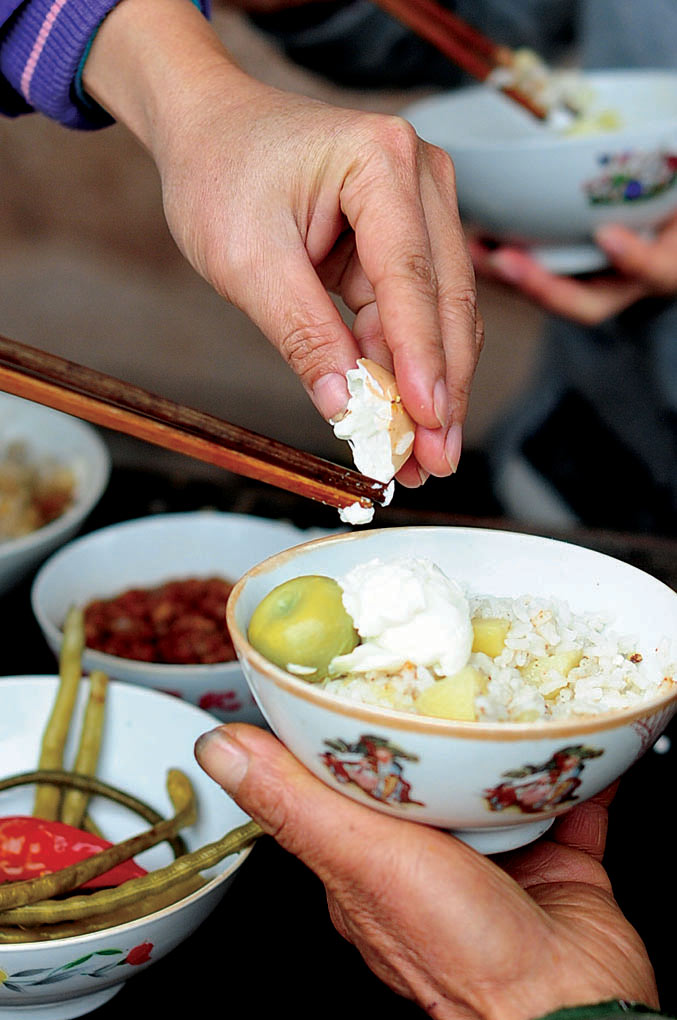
x=305 y=816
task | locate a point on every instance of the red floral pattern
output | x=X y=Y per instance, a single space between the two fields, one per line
x=139 y=954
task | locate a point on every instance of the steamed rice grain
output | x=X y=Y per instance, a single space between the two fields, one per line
x=612 y=672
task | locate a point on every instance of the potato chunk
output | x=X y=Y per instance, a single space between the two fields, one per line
x=489 y=635
x=540 y=669
x=453 y=697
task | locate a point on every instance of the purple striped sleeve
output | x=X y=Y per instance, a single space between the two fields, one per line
x=7 y=8
x=42 y=44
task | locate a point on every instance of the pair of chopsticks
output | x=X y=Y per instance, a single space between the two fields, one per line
x=103 y=400
x=475 y=53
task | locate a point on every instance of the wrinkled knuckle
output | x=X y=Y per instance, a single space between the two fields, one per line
x=460 y=303
x=398 y=136
x=419 y=268
x=307 y=347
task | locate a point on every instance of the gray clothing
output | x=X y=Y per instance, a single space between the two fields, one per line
x=358 y=44
x=600 y=418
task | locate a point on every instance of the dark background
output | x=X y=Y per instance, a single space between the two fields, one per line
x=269 y=946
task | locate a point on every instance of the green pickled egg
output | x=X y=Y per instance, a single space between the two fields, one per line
x=302 y=624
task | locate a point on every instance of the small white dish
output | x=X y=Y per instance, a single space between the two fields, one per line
x=51 y=434
x=146 y=552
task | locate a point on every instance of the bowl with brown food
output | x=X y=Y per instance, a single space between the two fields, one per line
x=154 y=592
x=478 y=680
x=53 y=470
x=75 y=924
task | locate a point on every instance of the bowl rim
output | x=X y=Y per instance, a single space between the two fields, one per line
x=103 y=660
x=80 y=940
x=501 y=731
x=549 y=140
x=100 y=461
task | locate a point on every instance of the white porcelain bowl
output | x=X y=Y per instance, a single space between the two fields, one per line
x=145 y=734
x=442 y=772
x=522 y=183
x=147 y=552
x=48 y=433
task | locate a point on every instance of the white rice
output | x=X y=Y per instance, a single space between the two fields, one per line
x=613 y=673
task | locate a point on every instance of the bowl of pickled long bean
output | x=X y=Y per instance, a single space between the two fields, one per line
x=122 y=854
x=154 y=593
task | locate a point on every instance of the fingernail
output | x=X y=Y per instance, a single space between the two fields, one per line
x=441 y=402
x=504 y=266
x=223 y=758
x=330 y=394
x=611 y=239
x=423 y=475
x=452 y=446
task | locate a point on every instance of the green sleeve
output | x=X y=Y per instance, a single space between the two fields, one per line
x=615 y=1009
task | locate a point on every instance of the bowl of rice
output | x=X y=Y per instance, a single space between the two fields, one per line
x=547 y=187
x=495 y=680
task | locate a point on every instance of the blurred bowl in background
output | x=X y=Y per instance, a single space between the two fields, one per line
x=145 y=553
x=497 y=785
x=145 y=734
x=49 y=435
x=522 y=182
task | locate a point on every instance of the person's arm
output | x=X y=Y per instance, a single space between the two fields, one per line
x=277 y=200
x=43 y=45
x=436 y=921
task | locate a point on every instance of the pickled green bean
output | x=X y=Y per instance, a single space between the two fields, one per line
x=59 y=777
x=67 y=929
x=74 y=802
x=16 y=894
x=47 y=798
x=136 y=889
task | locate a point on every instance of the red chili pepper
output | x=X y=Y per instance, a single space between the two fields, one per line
x=30 y=847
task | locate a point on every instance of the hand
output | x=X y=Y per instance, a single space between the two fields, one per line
x=277 y=200
x=642 y=269
x=311 y=199
x=439 y=923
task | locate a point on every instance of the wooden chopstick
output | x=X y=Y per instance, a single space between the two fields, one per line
x=104 y=400
x=464 y=45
